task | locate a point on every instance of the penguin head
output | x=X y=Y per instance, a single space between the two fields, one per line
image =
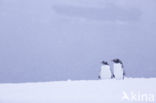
x=117 y=61
x=104 y=63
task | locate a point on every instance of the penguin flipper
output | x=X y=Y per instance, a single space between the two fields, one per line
x=113 y=76
x=99 y=77
x=124 y=73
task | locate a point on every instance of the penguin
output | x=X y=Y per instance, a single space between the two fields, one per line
x=105 y=72
x=118 y=70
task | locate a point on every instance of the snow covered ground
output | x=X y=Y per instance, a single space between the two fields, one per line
x=91 y=91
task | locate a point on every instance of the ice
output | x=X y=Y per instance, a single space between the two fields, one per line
x=83 y=91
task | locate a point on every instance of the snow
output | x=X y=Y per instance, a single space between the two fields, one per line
x=83 y=91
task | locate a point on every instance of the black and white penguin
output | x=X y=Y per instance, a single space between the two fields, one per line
x=105 y=72
x=118 y=69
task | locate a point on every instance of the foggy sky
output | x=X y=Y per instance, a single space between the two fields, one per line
x=63 y=39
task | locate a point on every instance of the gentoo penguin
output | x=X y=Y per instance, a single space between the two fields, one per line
x=105 y=72
x=118 y=69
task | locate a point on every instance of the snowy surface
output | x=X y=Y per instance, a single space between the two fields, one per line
x=91 y=91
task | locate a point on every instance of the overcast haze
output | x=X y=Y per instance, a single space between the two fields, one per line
x=46 y=40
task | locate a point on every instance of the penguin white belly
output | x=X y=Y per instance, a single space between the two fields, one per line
x=118 y=72
x=105 y=72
